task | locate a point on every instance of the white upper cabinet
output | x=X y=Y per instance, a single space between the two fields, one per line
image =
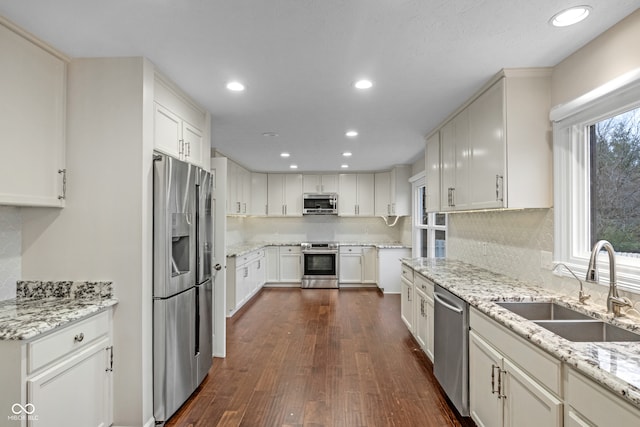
x=432 y=172
x=356 y=194
x=496 y=152
x=320 y=183
x=181 y=128
x=258 y=194
x=33 y=79
x=238 y=189
x=284 y=194
x=509 y=131
x=454 y=157
x=393 y=192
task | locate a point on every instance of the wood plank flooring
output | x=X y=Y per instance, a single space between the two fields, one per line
x=319 y=357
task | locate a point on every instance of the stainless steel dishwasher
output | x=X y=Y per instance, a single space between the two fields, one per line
x=451 y=347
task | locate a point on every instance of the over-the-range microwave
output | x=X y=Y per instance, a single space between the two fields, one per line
x=320 y=204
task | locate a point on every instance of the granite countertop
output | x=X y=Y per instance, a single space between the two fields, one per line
x=245 y=248
x=40 y=307
x=615 y=365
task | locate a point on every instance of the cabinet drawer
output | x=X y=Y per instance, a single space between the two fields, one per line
x=546 y=369
x=424 y=284
x=598 y=405
x=350 y=249
x=47 y=349
x=289 y=250
x=407 y=273
x=246 y=258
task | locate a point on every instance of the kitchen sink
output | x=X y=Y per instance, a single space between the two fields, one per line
x=543 y=311
x=588 y=330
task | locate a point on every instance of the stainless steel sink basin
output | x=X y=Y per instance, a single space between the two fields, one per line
x=588 y=330
x=543 y=311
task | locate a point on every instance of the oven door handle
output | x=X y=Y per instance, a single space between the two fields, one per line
x=446 y=304
x=319 y=252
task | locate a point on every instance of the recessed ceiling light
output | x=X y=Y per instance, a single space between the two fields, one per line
x=570 y=16
x=344 y=166
x=235 y=86
x=285 y=154
x=363 y=84
x=347 y=154
x=351 y=134
x=293 y=167
x=269 y=134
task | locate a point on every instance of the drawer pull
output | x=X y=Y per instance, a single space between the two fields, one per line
x=79 y=337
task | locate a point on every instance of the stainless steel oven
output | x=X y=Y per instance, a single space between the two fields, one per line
x=320 y=265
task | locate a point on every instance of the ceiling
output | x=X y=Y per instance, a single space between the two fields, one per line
x=299 y=58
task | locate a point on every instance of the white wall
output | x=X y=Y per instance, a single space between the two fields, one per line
x=105 y=230
x=311 y=228
x=10 y=251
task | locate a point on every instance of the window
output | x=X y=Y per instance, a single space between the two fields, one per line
x=429 y=229
x=597 y=178
x=614 y=145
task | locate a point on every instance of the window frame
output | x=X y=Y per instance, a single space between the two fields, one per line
x=572 y=212
x=417 y=182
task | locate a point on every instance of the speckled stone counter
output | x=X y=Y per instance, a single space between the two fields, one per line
x=615 y=365
x=245 y=248
x=40 y=307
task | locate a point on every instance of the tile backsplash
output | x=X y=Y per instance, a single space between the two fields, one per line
x=512 y=242
x=10 y=251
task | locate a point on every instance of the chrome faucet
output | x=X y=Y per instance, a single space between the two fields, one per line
x=582 y=297
x=614 y=301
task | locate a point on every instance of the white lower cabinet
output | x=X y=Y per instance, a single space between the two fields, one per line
x=406 y=303
x=589 y=404
x=246 y=274
x=357 y=264
x=501 y=394
x=290 y=264
x=61 y=379
x=511 y=380
x=423 y=314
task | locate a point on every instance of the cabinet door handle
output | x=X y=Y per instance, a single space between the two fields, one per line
x=499 y=194
x=493 y=378
x=110 y=366
x=188 y=149
x=500 y=395
x=244 y=208
x=64 y=184
x=181 y=147
x=79 y=337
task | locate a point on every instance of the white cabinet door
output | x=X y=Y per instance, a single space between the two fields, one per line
x=382 y=182
x=485 y=364
x=32 y=119
x=432 y=169
x=258 y=205
x=420 y=331
x=241 y=285
x=528 y=404
x=319 y=183
x=272 y=256
x=406 y=303
x=400 y=187
x=366 y=194
x=357 y=194
x=275 y=194
x=351 y=268
x=329 y=183
x=167 y=131
x=76 y=392
x=293 y=195
x=487 y=147
x=194 y=145
x=290 y=264
x=244 y=190
x=429 y=311
x=284 y=194
x=369 y=265
x=348 y=196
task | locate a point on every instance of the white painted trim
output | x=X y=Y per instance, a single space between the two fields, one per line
x=619 y=85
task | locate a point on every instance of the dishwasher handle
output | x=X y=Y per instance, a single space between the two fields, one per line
x=446 y=304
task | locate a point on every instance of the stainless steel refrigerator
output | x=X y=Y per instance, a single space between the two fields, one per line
x=182 y=283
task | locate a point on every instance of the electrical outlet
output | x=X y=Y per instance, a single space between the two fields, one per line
x=546 y=260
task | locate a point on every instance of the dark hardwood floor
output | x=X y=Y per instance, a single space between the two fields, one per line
x=319 y=357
